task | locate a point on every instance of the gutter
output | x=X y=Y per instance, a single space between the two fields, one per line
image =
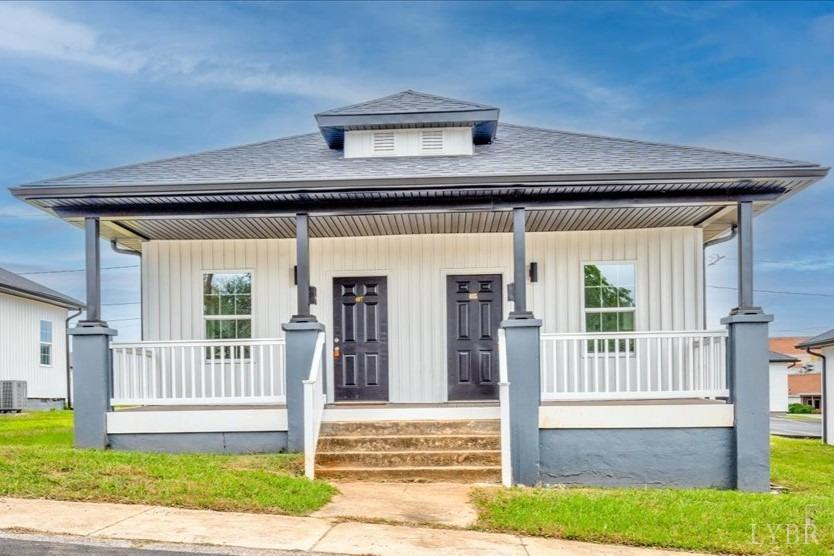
x=823 y=394
x=710 y=243
x=114 y=245
x=67 y=355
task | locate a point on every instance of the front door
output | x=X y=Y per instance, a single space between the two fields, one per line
x=360 y=338
x=473 y=313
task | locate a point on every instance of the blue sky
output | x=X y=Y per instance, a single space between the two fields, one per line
x=86 y=86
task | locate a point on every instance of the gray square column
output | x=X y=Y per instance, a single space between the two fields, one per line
x=300 y=347
x=91 y=384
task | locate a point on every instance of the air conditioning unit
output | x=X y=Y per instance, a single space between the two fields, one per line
x=12 y=395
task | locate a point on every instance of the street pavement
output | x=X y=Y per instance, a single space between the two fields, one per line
x=782 y=425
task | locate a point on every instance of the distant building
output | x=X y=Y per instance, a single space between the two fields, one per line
x=822 y=344
x=780 y=366
x=33 y=345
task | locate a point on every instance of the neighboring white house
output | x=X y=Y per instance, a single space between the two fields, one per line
x=780 y=365
x=823 y=346
x=33 y=344
x=416 y=260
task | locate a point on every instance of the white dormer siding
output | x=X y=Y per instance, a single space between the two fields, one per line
x=433 y=141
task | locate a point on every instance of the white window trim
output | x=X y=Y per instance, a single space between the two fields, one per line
x=250 y=316
x=586 y=310
x=51 y=343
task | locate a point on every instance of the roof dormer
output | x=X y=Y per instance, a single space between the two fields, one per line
x=408 y=124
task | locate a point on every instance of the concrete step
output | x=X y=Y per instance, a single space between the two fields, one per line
x=451 y=474
x=410 y=428
x=400 y=443
x=411 y=458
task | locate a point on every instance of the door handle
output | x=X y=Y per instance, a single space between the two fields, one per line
x=337 y=350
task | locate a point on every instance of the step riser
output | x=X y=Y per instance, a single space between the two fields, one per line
x=420 y=443
x=410 y=428
x=446 y=475
x=408 y=459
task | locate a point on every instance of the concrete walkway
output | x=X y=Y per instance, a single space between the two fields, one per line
x=273 y=532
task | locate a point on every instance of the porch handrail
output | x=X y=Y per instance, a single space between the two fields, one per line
x=198 y=372
x=315 y=398
x=504 y=410
x=634 y=365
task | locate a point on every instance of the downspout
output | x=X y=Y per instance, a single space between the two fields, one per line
x=710 y=243
x=823 y=394
x=67 y=356
x=114 y=245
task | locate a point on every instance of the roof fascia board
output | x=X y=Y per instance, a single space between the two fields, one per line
x=49 y=300
x=329 y=207
x=35 y=191
x=347 y=120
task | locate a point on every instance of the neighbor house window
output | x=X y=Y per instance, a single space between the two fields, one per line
x=46 y=342
x=609 y=302
x=227 y=309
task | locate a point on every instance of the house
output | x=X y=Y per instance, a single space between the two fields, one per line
x=420 y=290
x=786 y=345
x=780 y=366
x=806 y=388
x=822 y=346
x=33 y=340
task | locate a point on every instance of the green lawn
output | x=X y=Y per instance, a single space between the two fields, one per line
x=37 y=461
x=694 y=519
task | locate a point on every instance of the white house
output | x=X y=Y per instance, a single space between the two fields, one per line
x=780 y=365
x=822 y=345
x=420 y=290
x=33 y=347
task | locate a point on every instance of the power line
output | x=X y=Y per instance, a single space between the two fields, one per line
x=75 y=270
x=780 y=292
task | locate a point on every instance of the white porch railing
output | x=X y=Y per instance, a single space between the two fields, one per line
x=315 y=397
x=196 y=372
x=504 y=403
x=634 y=365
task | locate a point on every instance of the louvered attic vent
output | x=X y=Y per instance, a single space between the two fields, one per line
x=431 y=140
x=383 y=142
x=437 y=141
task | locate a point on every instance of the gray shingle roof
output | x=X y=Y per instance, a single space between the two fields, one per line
x=776 y=357
x=406 y=102
x=517 y=150
x=826 y=338
x=15 y=284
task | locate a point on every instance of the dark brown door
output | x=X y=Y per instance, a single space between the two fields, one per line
x=473 y=314
x=360 y=338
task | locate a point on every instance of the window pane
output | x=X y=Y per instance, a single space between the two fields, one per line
x=625 y=297
x=227 y=283
x=227 y=305
x=213 y=329
x=608 y=274
x=243 y=304
x=211 y=304
x=610 y=297
x=244 y=328
x=625 y=276
x=227 y=329
x=593 y=298
x=609 y=322
x=46 y=331
x=593 y=322
x=46 y=354
x=592 y=275
x=626 y=321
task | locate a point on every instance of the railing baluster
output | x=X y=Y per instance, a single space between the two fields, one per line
x=193 y=373
x=617 y=364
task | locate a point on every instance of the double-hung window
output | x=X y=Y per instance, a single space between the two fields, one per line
x=609 y=303
x=227 y=310
x=46 y=342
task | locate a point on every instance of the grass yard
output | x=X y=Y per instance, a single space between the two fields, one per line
x=694 y=519
x=37 y=461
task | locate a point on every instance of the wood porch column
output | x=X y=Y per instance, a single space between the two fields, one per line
x=747 y=364
x=519 y=266
x=92 y=253
x=302 y=255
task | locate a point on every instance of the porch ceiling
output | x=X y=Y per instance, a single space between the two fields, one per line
x=130 y=232
x=439 y=209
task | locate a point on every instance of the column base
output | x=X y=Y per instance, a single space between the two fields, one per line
x=303 y=318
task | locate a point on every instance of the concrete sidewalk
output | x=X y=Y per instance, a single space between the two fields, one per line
x=274 y=532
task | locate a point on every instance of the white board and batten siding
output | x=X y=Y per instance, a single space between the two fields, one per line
x=20 y=320
x=668 y=270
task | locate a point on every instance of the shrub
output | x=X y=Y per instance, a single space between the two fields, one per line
x=800 y=408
